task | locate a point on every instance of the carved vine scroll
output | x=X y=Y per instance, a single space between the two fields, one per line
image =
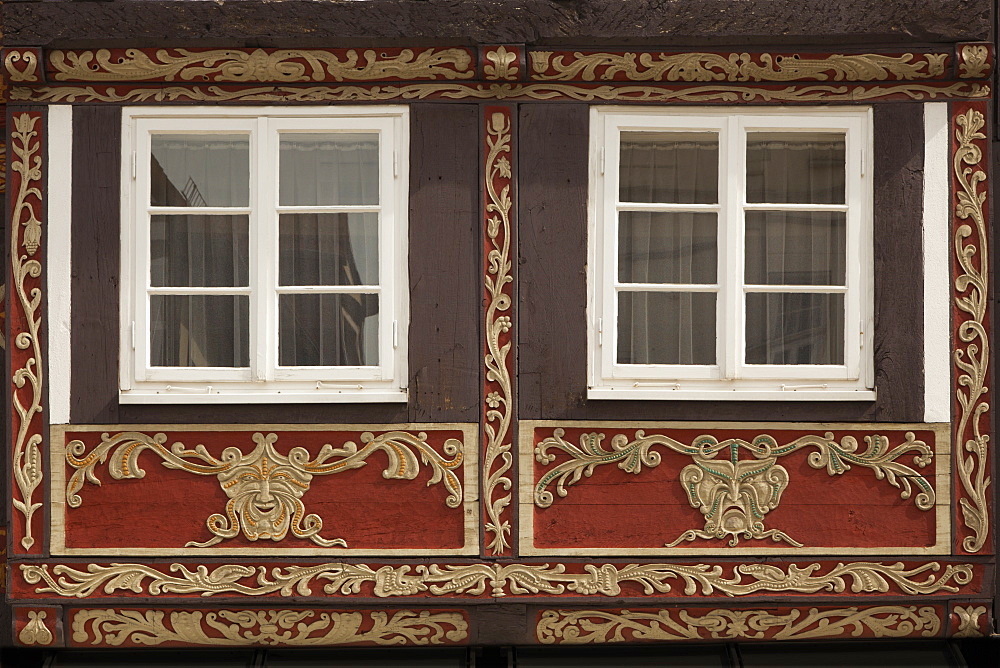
x=264 y=487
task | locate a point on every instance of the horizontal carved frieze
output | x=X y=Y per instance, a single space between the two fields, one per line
x=580 y=627
x=659 y=580
x=118 y=627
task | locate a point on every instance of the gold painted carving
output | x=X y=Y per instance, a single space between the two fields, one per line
x=265 y=488
x=500 y=91
x=579 y=627
x=501 y=64
x=499 y=579
x=284 y=66
x=972 y=350
x=736 y=67
x=27 y=73
x=35 y=632
x=734 y=495
x=968 y=621
x=498 y=321
x=974 y=63
x=27 y=460
x=267 y=627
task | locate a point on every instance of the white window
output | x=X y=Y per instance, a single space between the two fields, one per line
x=264 y=255
x=730 y=254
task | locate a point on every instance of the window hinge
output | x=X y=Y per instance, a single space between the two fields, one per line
x=395 y=333
x=133 y=165
x=600 y=331
x=602 y=160
x=132 y=335
x=864 y=160
x=861 y=334
x=395 y=163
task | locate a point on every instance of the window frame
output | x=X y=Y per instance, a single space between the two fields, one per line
x=730 y=378
x=264 y=380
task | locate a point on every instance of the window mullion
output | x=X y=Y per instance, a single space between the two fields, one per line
x=731 y=328
x=262 y=322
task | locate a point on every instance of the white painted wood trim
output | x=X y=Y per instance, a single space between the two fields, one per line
x=57 y=258
x=937 y=277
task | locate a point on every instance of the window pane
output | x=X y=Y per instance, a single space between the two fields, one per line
x=204 y=251
x=799 y=328
x=199 y=330
x=669 y=167
x=796 y=248
x=796 y=167
x=328 y=169
x=328 y=249
x=328 y=330
x=667 y=247
x=200 y=170
x=666 y=328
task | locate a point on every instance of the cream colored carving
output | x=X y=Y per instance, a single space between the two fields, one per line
x=341 y=579
x=295 y=628
x=498 y=321
x=285 y=65
x=501 y=64
x=734 y=495
x=735 y=67
x=973 y=64
x=35 y=632
x=500 y=91
x=29 y=72
x=972 y=350
x=968 y=621
x=578 y=627
x=27 y=459
x=265 y=488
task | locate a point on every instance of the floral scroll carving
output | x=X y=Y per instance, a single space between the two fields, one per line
x=115 y=627
x=260 y=65
x=968 y=621
x=341 y=579
x=35 y=632
x=734 y=495
x=972 y=349
x=26 y=270
x=265 y=488
x=579 y=627
x=498 y=281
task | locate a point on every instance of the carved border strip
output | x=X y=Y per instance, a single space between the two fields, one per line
x=242 y=627
x=593 y=65
x=27 y=365
x=497 y=62
x=661 y=580
x=498 y=330
x=555 y=92
x=260 y=65
x=971 y=325
x=580 y=627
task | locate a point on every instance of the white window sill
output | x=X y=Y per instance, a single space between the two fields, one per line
x=741 y=394
x=321 y=396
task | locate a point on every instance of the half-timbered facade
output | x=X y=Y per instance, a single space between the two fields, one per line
x=497 y=324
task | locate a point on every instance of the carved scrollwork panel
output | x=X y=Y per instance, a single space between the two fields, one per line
x=119 y=627
x=579 y=627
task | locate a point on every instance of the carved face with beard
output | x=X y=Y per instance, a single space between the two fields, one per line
x=265 y=491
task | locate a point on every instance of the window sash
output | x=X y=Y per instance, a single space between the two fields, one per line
x=730 y=370
x=264 y=374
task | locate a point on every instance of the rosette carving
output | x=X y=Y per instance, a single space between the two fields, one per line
x=734 y=495
x=972 y=348
x=265 y=488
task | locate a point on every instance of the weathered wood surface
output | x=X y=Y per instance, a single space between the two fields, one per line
x=96 y=253
x=329 y=23
x=899 y=281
